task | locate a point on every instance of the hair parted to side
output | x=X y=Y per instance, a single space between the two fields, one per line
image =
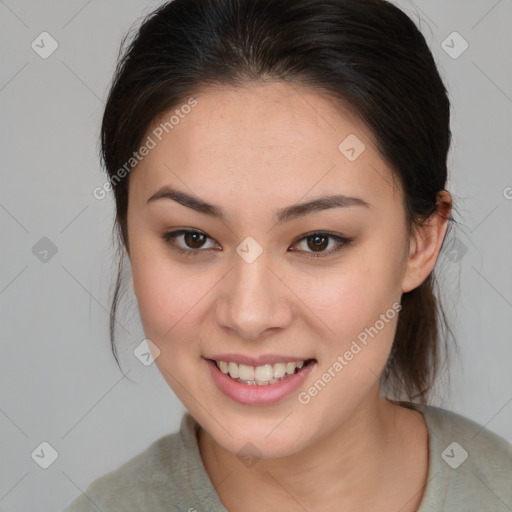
x=368 y=55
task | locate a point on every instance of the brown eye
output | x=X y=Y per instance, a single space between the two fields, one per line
x=194 y=240
x=191 y=242
x=318 y=242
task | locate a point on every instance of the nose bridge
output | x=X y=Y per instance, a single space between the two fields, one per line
x=252 y=298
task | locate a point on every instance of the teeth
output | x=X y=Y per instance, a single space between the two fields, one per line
x=259 y=375
x=244 y=372
x=290 y=368
x=279 y=370
x=264 y=373
x=232 y=368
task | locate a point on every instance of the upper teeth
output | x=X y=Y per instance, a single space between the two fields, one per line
x=264 y=373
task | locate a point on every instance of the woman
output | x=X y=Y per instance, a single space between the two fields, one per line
x=279 y=171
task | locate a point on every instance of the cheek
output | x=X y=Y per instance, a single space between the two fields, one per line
x=355 y=293
x=166 y=295
x=359 y=301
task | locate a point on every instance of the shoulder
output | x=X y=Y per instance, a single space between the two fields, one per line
x=480 y=442
x=470 y=466
x=145 y=482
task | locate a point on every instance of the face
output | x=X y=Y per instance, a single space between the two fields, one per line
x=255 y=286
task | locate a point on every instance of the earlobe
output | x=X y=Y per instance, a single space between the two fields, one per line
x=426 y=243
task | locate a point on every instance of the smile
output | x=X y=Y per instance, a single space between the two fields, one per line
x=260 y=385
x=260 y=375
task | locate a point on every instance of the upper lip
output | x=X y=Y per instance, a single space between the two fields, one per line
x=257 y=361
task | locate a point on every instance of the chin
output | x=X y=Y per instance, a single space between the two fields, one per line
x=256 y=444
x=257 y=437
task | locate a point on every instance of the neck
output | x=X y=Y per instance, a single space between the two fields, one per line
x=358 y=466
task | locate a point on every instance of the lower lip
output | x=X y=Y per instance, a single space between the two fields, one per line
x=258 y=395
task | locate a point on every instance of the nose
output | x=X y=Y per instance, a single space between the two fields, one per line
x=253 y=300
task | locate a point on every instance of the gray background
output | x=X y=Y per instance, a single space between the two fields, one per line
x=59 y=381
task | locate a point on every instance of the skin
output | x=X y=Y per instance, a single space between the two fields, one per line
x=252 y=151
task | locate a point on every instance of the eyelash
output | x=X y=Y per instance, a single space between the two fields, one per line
x=169 y=238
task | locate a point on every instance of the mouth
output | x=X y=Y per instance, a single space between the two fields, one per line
x=264 y=375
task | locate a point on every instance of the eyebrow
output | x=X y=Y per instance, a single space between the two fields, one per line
x=282 y=215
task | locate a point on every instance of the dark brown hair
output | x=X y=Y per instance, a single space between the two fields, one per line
x=366 y=54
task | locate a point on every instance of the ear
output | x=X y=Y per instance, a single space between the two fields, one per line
x=425 y=244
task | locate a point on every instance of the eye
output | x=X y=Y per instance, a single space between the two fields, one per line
x=193 y=239
x=319 y=241
x=194 y=242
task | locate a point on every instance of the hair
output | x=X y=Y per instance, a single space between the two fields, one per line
x=367 y=55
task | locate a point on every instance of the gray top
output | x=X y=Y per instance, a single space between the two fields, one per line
x=470 y=470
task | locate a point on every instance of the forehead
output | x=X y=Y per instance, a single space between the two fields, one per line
x=271 y=140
